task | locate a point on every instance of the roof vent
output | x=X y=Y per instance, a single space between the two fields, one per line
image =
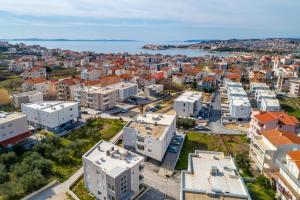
x=214 y=170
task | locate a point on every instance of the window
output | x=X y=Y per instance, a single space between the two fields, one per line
x=99 y=192
x=124 y=185
x=149 y=150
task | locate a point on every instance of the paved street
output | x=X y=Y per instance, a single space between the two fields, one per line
x=215 y=118
x=161 y=184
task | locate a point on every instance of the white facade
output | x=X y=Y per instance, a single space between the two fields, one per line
x=271 y=105
x=126 y=90
x=150 y=134
x=288 y=182
x=12 y=125
x=90 y=74
x=27 y=97
x=256 y=86
x=211 y=175
x=188 y=104
x=153 y=90
x=240 y=107
x=294 y=88
x=111 y=172
x=54 y=116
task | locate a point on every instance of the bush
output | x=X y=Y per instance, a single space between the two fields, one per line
x=32 y=180
x=185 y=123
x=263 y=182
x=8 y=159
x=3 y=174
x=242 y=161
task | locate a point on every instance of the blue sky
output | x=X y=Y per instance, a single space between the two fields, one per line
x=149 y=20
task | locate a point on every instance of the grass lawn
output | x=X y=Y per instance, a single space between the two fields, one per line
x=260 y=193
x=288 y=105
x=81 y=192
x=211 y=142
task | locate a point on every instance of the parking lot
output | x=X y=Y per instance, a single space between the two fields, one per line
x=172 y=156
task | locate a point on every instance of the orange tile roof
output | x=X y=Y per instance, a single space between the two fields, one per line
x=282 y=117
x=233 y=76
x=35 y=80
x=208 y=78
x=36 y=68
x=278 y=138
x=295 y=156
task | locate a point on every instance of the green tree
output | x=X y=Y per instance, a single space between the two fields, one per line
x=3 y=174
x=242 y=161
x=263 y=182
x=32 y=180
x=8 y=159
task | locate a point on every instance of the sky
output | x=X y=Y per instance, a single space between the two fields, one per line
x=149 y=20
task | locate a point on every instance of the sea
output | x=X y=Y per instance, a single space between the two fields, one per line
x=130 y=47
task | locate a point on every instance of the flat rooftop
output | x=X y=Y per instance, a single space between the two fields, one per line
x=50 y=106
x=189 y=96
x=154 y=125
x=112 y=159
x=266 y=93
x=271 y=102
x=7 y=117
x=236 y=91
x=213 y=173
x=22 y=94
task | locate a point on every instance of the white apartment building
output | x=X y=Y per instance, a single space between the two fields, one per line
x=267 y=94
x=211 y=175
x=111 y=172
x=13 y=128
x=288 y=179
x=229 y=83
x=150 y=134
x=35 y=72
x=258 y=86
x=53 y=116
x=126 y=90
x=153 y=90
x=98 y=98
x=294 y=87
x=90 y=74
x=239 y=104
x=27 y=97
x=270 y=146
x=270 y=105
x=188 y=104
x=239 y=108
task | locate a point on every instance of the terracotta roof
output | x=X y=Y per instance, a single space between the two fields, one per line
x=282 y=117
x=35 y=80
x=208 y=78
x=233 y=76
x=295 y=156
x=278 y=138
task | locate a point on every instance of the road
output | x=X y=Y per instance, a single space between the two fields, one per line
x=215 y=118
x=163 y=185
x=58 y=191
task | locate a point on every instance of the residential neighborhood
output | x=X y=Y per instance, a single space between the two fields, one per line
x=85 y=125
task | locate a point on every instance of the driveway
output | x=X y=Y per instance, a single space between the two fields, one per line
x=215 y=118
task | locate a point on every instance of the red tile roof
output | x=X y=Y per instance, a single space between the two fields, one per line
x=35 y=80
x=278 y=138
x=295 y=156
x=282 y=117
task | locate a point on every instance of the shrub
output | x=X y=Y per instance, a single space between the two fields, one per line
x=263 y=182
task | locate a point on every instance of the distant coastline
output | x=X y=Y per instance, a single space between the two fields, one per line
x=69 y=40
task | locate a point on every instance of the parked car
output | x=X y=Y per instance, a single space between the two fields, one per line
x=178 y=138
x=84 y=112
x=172 y=150
x=124 y=110
x=175 y=142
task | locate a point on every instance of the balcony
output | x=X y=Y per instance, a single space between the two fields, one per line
x=141 y=167
x=141 y=177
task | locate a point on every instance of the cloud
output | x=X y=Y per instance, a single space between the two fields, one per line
x=193 y=12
